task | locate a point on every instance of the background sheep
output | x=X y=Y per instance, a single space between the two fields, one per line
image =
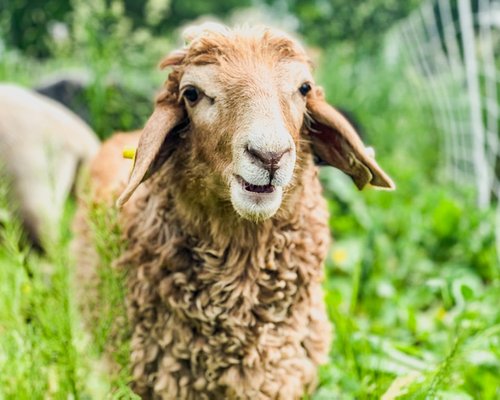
x=68 y=88
x=227 y=238
x=41 y=145
x=86 y=94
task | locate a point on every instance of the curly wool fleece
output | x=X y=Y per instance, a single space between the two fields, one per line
x=227 y=317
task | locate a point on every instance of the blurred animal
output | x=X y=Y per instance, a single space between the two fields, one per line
x=69 y=90
x=225 y=224
x=41 y=145
x=86 y=96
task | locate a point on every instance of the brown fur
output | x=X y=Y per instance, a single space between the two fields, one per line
x=222 y=307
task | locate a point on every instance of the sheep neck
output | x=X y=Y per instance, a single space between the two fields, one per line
x=170 y=217
x=258 y=271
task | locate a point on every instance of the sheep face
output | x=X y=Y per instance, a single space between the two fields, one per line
x=234 y=109
x=246 y=118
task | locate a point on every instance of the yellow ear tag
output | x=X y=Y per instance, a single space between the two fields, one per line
x=129 y=153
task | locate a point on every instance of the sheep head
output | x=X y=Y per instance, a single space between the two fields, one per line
x=243 y=103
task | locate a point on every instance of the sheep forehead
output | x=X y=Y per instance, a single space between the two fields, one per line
x=214 y=43
x=246 y=80
x=195 y=32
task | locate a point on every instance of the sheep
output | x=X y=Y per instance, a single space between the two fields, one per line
x=41 y=145
x=73 y=88
x=224 y=220
x=68 y=88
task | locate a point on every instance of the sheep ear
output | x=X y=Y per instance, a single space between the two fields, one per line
x=156 y=144
x=335 y=142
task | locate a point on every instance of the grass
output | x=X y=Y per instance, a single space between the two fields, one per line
x=44 y=350
x=38 y=346
x=412 y=279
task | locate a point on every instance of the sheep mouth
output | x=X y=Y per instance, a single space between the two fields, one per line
x=255 y=188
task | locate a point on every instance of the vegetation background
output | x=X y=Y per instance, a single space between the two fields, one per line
x=413 y=281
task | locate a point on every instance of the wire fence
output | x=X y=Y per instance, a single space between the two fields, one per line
x=454 y=49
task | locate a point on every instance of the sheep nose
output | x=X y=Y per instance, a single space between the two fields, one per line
x=268 y=159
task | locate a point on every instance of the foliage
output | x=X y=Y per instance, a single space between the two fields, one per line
x=165 y=16
x=320 y=21
x=412 y=285
x=103 y=39
x=358 y=22
x=26 y=24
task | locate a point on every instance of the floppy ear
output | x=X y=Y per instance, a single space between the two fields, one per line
x=161 y=132
x=335 y=142
x=156 y=144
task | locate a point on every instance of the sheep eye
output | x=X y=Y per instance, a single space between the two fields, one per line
x=191 y=94
x=305 y=88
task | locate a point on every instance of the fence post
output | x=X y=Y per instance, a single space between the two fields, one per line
x=470 y=60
